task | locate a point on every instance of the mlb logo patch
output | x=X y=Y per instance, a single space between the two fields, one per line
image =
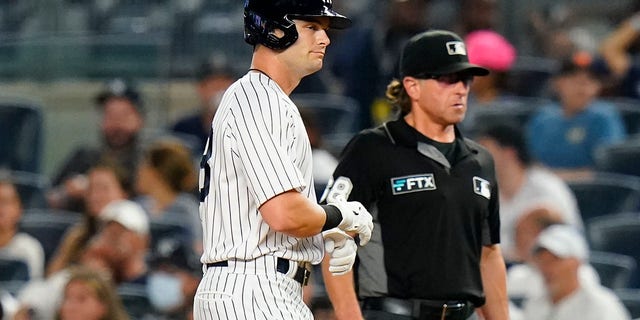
x=482 y=187
x=456 y=48
x=415 y=183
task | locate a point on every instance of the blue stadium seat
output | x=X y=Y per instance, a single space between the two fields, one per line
x=631 y=300
x=13 y=269
x=21 y=126
x=617 y=233
x=135 y=301
x=48 y=226
x=615 y=270
x=623 y=158
x=31 y=187
x=605 y=194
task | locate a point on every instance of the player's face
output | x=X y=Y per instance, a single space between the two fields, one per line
x=306 y=55
x=81 y=302
x=443 y=100
x=121 y=122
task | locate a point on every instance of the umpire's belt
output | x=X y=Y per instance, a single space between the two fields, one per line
x=421 y=309
x=283 y=266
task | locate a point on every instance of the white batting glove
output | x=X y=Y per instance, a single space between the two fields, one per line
x=341 y=249
x=355 y=217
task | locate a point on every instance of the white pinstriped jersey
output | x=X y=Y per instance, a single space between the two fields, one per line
x=258 y=149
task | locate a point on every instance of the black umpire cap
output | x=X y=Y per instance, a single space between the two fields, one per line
x=436 y=52
x=120 y=88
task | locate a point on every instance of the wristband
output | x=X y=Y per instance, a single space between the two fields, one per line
x=334 y=217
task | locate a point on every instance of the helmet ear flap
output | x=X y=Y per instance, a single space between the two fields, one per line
x=261 y=31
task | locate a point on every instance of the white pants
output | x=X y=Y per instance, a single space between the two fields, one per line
x=250 y=290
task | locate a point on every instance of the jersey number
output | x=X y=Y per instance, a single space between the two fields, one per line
x=205 y=169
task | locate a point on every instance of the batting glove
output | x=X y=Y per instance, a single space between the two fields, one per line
x=341 y=249
x=355 y=218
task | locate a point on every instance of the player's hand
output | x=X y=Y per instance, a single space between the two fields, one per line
x=355 y=217
x=341 y=249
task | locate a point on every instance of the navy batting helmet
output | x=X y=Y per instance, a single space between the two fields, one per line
x=262 y=17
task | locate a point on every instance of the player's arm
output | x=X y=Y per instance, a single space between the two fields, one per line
x=494 y=282
x=341 y=293
x=294 y=214
x=614 y=47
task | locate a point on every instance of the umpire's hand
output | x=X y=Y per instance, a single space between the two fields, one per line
x=342 y=250
x=355 y=218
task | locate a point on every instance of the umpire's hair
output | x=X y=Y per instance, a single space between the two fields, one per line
x=398 y=96
x=508 y=135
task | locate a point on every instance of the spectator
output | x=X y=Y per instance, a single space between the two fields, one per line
x=477 y=15
x=173 y=280
x=90 y=295
x=565 y=134
x=15 y=244
x=122 y=243
x=523 y=185
x=619 y=53
x=491 y=50
x=558 y=253
x=121 y=125
x=165 y=178
x=212 y=82
x=118 y=249
x=523 y=279
x=106 y=183
x=365 y=57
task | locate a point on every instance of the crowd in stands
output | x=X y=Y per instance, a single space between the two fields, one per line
x=133 y=250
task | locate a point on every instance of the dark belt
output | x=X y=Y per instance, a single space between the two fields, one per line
x=421 y=309
x=283 y=265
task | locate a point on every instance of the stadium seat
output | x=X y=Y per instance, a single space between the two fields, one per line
x=617 y=233
x=21 y=143
x=48 y=226
x=13 y=269
x=606 y=193
x=614 y=269
x=135 y=301
x=629 y=111
x=31 y=187
x=335 y=116
x=623 y=158
x=631 y=299
x=514 y=110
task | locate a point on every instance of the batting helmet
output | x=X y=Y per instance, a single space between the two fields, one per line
x=262 y=17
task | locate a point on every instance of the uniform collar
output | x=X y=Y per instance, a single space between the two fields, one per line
x=401 y=133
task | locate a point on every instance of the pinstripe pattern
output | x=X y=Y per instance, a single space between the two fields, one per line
x=258 y=149
x=249 y=291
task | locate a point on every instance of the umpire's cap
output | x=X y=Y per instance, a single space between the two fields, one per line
x=262 y=17
x=436 y=52
x=120 y=88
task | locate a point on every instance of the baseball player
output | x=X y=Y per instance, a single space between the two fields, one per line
x=261 y=224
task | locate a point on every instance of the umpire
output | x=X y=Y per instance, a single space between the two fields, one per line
x=434 y=252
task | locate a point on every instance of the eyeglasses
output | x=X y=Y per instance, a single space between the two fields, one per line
x=451 y=78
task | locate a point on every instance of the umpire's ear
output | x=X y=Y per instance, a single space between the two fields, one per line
x=412 y=87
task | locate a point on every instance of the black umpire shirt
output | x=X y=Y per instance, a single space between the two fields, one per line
x=432 y=215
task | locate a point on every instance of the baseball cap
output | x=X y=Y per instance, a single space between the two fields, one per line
x=436 y=52
x=564 y=241
x=170 y=251
x=491 y=50
x=578 y=61
x=127 y=213
x=119 y=88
